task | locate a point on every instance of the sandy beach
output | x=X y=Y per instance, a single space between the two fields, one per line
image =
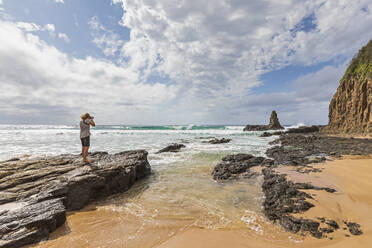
x=350 y=176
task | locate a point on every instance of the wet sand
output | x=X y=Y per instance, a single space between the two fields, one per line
x=351 y=177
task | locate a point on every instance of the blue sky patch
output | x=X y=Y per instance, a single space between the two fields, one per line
x=71 y=18
x=307 y=24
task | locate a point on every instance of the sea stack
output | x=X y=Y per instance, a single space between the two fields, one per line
x=350 y=110
x=274 y=124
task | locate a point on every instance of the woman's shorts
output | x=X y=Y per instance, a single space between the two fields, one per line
x=85 y=141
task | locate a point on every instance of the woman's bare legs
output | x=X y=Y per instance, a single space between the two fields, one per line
x=85 y=153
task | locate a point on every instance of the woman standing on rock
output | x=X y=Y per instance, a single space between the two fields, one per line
x=85 y=123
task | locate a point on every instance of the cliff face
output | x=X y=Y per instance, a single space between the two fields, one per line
x=350 y=110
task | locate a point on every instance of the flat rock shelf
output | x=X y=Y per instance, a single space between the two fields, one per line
x=37 y=192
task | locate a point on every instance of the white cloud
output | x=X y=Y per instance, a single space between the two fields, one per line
x=59 y=1
x=64 y=37
x=217 y=50
x=50 y=28
x=307 y=101
x=29 y=27
x=108 y=41
x=212 y=54
x=32 y=27
x=40 y=83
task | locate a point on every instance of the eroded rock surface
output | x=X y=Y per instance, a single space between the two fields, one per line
x=350 y=110
x=232 y=166
x=274 y=124
x=36 y=193
x=283 y=198
x=302 y=129
x=217 y=141
x=305 y=129
x=302 y=149
x=354 y=228
x=172 y=148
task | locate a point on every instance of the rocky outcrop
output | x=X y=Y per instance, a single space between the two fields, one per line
x=217 y=141
x=274 y=124
x=234 y=166
x=283 y=198
x=172 y=148
x=305 y=129
x=354 y=228
x=267 y=134
x=302 y=129
x=303 y=149
x=350 y=110
x=36 y=193
x=255 y=128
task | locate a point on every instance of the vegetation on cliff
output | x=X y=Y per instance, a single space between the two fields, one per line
x=361 y=64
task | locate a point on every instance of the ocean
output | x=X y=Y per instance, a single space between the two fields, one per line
x=33 y=140
x=180 y=193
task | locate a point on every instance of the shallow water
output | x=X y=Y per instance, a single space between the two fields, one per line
x=172 y=199
x=179 y=194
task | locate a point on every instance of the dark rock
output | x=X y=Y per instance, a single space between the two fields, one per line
x=250 y=174
x=304 y=129
x=300 y=149
x=322 y=219
x=172 y=148
x=332 y=224
x=307 y=169
x=255 y=128
x=310 y=186
x=295 y=225
x=209 y=137
x=36 y=193
x=354 y=228
x=233 y=165
x=217 y=141
x=267 y=134
x=283 y=198
x=12 y=160
x=326 y=230
x=290 y=223
x=274 y=124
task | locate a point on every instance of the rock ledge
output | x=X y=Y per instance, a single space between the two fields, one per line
x=36 y=193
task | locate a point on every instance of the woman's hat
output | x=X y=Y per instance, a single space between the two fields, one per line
x=84 y=116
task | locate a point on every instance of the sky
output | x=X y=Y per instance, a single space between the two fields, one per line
x=157 y=62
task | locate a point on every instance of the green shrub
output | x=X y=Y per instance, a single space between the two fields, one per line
x=361 y=64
